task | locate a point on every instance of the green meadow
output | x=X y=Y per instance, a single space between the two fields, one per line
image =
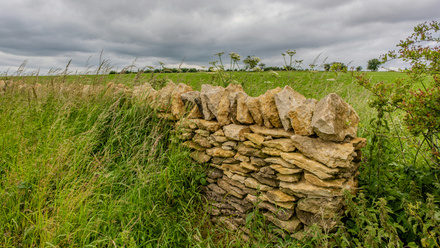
x=102 y=170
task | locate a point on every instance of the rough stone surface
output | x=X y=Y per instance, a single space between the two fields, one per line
x=334 y=120
x=293 y=178
x=254 y=138
x=253 y=183
x=253 y=105
x=285 y=145
x=291 y=225
x=329 y=153
x=177 y=105
x=285 y=170
x=271 y=151
x=286 y=100
x=277 y=195
x=200 y=157
x=269 y=109
x=326 y=207
x=304 y=188
x=331 y=183
x=236 y=132
x=202 y=141
x=281 y=213
x=273 y=132
x=210 y=98
x=243 y=115
x=219 y=152
x=223 y=113
x=300 y=117
x=248 y=151
x=309 y=165
x=210 y=126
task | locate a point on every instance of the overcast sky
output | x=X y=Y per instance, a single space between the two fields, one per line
x=49 y=33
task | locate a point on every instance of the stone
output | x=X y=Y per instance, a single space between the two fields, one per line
x=309 y=165
x=177 y=105
x=216 y=189
x=247 y=143
x=267 y=171
x=331 y=183
x=281 y=213
x=265 y=180
x=214 y=173
x=277 y=195
x=219 y=152
x=269 y=109
x=309 y=219
x=254 y=138
x=271 y=151
x=200 y=157
x=241 y=111
x=247 y=151
x=223 y=112
x=253 y=106
x=285 y=145
x=193 y=145
x=236 y=132
x=235 y=168
x=325 y=207
x=230 y=189
x=358 y=143
x=286 y=100
x=334 y=119
x=282 y=162
x=291 y=226
x=300 y=117
x=329 y=153
x=139 y=91
x=258 y=161
x=293 y=178
x=254 y=184
x=219 y=139
x=241 y=158
x=202 y=141
x=185 y=134
x=187 y=123
x=219 y=132
x=249 y=166
x=229 y=145
x=210 y=98
x=306 y=189
x=273 y=132
x=162 y=101
x=210 y=126
x=202 y=132
x=285 y=170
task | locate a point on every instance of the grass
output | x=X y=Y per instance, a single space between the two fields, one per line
x=101 y=170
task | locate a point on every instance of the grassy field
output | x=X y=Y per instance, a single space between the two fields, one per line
x=101 y=170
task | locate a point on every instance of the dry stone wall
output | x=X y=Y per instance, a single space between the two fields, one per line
x=286 y=155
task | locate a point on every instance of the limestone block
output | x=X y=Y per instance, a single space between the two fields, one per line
x=247 y=151
x=177 y=105
x=329 y=153
x=309 y=219
x=243 y=114
x=273 y=132
x=334 y=119
x=254 y=138
x=330 y=183
x=202 y=141
x=249 y=166
x=281 y=213
x=258 y=161
x=163 y=97
x=285 y=170
x=236 y=132
x=223 y=111
x=300 y=117
x=292 y=225
x=210 y=126
x=285 y=144
x=229 y=145
x=286 y=100
x=277 y=195
x=235 y=168
x=253 y=105
x=306 y=189
x=202 y=132
x=230 y=189
x=292 y=178
x=254 y=184
x=214 y=173
x=247 y=143
x=271 y=151
x=269 y=109
x=210 y=98
x=216 y=189
x=219 y=152
x=265 y=180
x=193 y=145
x=309 y=165
x=241 y=158
x=282 y=162
x=200 y=156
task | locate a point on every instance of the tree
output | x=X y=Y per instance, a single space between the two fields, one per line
x=359 y=68
x=373 y=64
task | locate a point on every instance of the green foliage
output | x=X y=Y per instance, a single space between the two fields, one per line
x=251 y=62
x=373 y=64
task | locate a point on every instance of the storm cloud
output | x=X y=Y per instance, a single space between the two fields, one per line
x=49 y=33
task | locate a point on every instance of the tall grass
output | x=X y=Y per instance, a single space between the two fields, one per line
x=93 y=171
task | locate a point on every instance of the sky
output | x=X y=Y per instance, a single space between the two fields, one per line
x=47 y=34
